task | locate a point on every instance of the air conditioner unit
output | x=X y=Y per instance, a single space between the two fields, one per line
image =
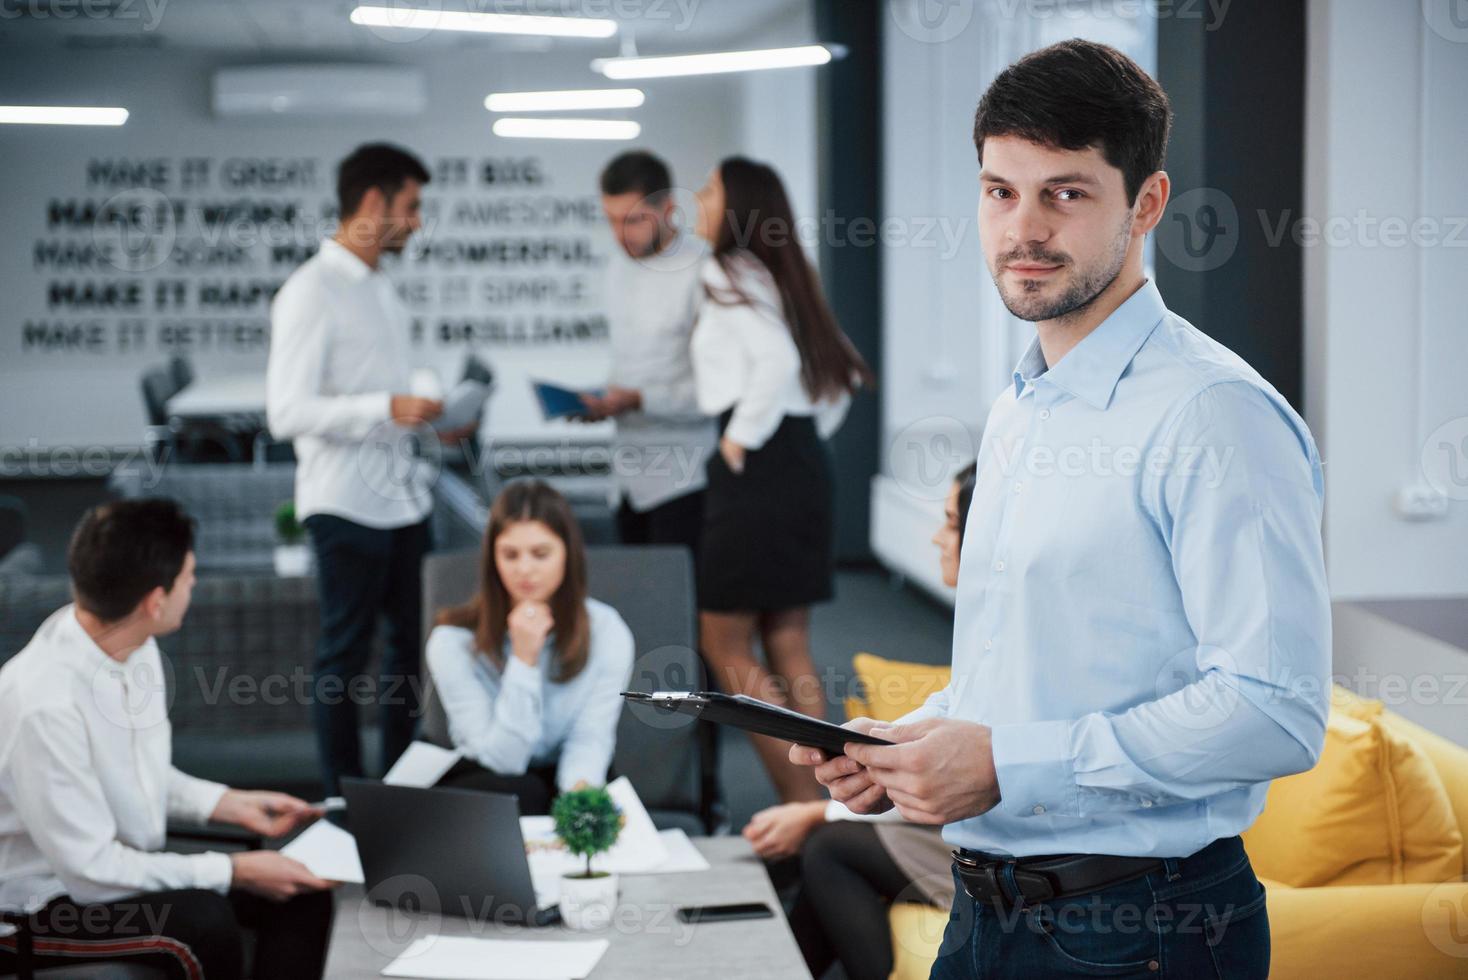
x=319 y=91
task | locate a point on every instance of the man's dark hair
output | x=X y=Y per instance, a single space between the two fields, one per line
x=1077 y=94
x=379 y=165
x=637 y=170
x=125 y=549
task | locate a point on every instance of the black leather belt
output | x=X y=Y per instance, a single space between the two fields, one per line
x=1041 y=879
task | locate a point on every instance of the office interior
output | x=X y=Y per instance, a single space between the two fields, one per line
x=1318 y=227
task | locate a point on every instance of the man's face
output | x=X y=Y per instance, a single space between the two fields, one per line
x=402 y=216
x=174 y=604
x=637 y=224
x=1055 y=225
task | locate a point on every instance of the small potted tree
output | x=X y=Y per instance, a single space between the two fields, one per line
x=292 y=555
x=587 y=823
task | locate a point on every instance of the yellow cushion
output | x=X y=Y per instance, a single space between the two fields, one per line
x=1372 y=811
x=1354 y=704
x=888 y=689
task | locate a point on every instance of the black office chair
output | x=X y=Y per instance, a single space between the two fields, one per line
x=476 y=370
x=25 y=968
x=181 y=369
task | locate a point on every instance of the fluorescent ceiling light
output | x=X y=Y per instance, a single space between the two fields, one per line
x=588 y=98
x=63 y=115
x=566 y=129
x=426 y=19
x=709 y=64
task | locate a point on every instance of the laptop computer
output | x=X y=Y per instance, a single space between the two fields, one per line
x=453 y=851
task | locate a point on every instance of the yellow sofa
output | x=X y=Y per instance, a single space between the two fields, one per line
x=1362 y=857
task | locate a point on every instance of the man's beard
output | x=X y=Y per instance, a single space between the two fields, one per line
x=1085 y=285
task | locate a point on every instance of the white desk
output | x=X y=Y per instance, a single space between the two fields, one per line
x=226 y=394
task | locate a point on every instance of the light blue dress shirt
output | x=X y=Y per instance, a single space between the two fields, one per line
x=1142 y=613
x=511 y=719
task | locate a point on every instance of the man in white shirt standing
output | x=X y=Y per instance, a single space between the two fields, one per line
x=87 y=786
x=663 y=440
x=337 y=386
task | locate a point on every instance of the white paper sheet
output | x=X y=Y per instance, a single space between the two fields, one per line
x=422 y=765
x=329 y=852
x=639 y=849
x=466 y=958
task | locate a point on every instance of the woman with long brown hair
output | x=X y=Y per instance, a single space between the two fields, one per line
x=529 y=671
x=770 y=361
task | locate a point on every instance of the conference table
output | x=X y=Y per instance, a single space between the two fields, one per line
x=646 y=938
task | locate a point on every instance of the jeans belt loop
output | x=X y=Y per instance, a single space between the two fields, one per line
x=1170 y=866
x=1008 y=885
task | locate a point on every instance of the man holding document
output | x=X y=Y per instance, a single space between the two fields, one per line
x=338 y=385
x=663 y=440
x=87 y=787
x=1142 y=638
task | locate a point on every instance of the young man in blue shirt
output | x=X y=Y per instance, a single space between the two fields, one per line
x=1142 y=636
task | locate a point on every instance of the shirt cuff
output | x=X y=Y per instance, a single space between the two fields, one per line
x=749 y=434
x=1033 y=766
x=518 y=673
x=214 y=871
x=196 y=799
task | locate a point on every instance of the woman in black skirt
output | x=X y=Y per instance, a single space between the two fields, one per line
x=770 y=361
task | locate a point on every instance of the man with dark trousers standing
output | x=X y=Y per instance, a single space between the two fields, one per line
x=338 y=386
x=1142 y=632
x=653 y=292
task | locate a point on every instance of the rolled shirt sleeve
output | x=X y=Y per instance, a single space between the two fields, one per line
x=191 y=799
x=1246 y=554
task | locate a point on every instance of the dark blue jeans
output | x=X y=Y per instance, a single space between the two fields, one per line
x=361 y=573
x=1197 y=918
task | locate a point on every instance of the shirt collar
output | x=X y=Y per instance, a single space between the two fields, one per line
x=339 y=257
x=1092 y=368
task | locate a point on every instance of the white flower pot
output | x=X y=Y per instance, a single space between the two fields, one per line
x=588 y=903
x=292 y=560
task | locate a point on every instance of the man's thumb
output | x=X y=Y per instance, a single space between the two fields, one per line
x=895 y=733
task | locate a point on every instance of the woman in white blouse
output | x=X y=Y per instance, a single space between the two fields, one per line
x=530 y=670
x=771 y=362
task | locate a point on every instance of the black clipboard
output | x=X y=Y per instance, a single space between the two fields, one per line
x=754 y=715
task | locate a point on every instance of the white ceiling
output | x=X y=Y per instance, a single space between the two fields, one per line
x=321 y=27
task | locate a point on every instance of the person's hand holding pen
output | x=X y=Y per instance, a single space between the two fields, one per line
x=267 y=814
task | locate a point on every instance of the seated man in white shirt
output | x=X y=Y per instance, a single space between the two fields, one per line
x=87 y=786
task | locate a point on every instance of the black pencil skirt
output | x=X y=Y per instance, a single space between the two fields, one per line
x=768 y=539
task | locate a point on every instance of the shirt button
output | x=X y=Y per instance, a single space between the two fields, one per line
x=1039 y=809
x=999 y=566
x=988 y=644
x=1146 y=803
x=1044 y=414
x=1018 y=487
